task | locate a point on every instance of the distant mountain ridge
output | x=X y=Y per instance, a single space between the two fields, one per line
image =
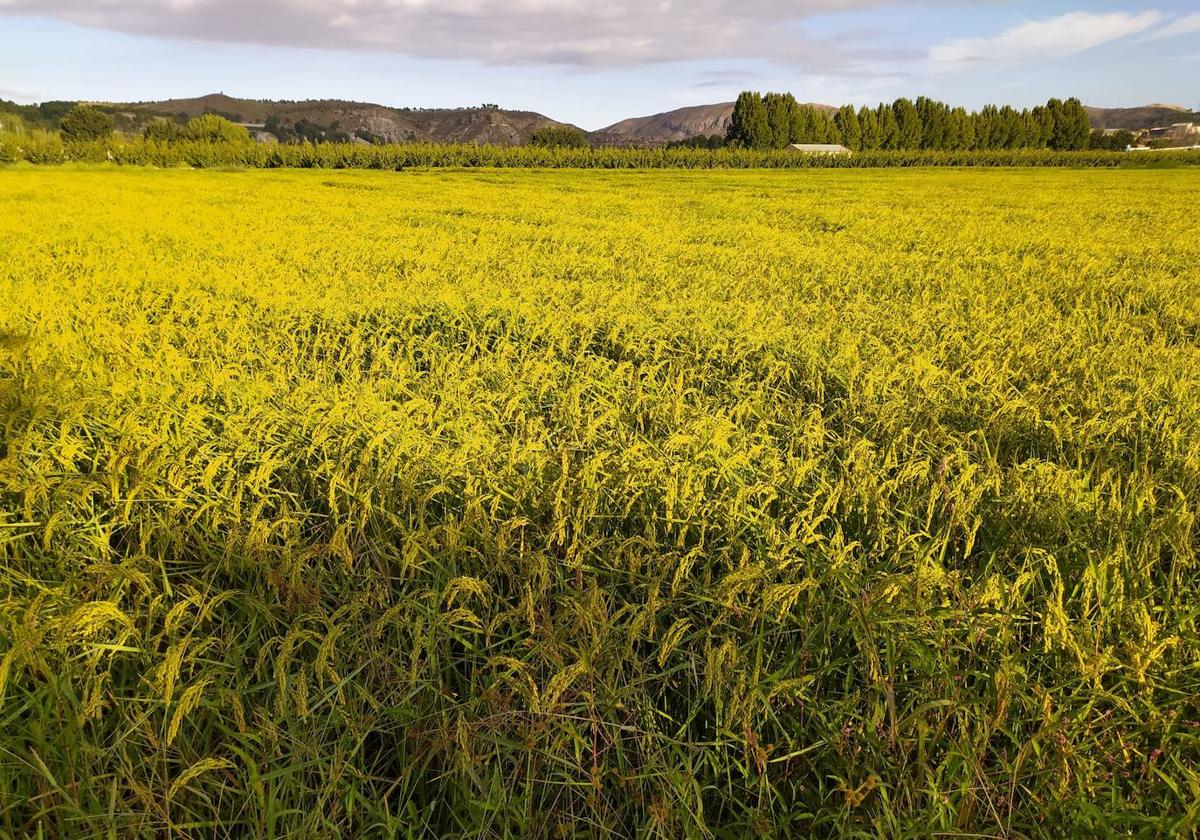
x=446 y=125
x=492 y=125
x=680 y=124
x=1142 y=117
x=483 y=125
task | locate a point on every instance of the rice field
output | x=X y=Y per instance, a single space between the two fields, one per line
x=556 y=504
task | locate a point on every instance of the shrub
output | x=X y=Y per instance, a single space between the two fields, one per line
x=559 y=137
x=162 y=130
x=211 y=128
x=86 y=122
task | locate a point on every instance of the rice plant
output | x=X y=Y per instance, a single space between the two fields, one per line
x=502 y=504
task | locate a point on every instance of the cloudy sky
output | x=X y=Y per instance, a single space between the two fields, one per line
x=593 y=62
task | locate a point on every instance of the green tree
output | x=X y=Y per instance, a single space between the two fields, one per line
x=162 y=130
x=1079 y=127
x=781 y=107
x=1045 y=126
x=967 y=120
x=1031 y=128
x=86 y=122
x=1116 y=142
x=1058 y=124
x=889 y=129
x=849 y=131
x=559 y=137
x=908 y=122
x=825 y=129
x=829 y=131
x=956 y=129
x=868 y=123
x=209 y=128
x=801 y=127
x=700 y=141
x=987 y=128
x=1071 y=128
x=933 y=116
x=10 y=121
x=1009 y=131
x=750 y=127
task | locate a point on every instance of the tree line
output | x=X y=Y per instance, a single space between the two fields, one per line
x=759 y=122
x=776 y=120
x=85 y=123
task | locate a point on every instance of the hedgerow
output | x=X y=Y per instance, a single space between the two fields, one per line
x=47 y=148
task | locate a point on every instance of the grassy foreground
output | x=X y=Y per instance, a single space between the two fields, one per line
x=551 y=504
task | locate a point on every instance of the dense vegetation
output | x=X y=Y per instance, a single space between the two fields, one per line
x=773 y=121
x=49 y=148
x=85 y=123
x=540 y=505
x=560 y=137
x=45 y=116
x=776 y=120
x=1116 y=141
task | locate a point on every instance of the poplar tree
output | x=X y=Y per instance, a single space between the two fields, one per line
x=749 y=127
x=966 y=123
x=802 y=126
x=1058 y=124
x=846 y=121
x=1079 y=128
x=868 y=123
x=889 y=129
x=987 y=128
x=908 y=122
x=1045 y=126
x=952 y=136
x=932 y=115
x=1009 y=128
x=780 y=109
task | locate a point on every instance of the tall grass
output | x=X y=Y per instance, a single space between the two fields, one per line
x=502 y=504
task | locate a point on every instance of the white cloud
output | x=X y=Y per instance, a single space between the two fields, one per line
x=1038 y=40
x=1186 y=25
x=23 y=97
x=573 y=32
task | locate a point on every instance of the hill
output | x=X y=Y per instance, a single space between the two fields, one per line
x=345 y=119
x=1142 y=117
x=670 y=126
x=485 y=125
x=680 y=124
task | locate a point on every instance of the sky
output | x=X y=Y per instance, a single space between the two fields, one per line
x=592 y=62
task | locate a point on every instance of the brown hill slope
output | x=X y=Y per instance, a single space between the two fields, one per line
x=450 y=125
x=680 y=124
x=1146 y=116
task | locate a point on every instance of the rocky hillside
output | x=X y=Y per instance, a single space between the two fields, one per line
x=681 y=124
x=671 y=126
x=1146 y=116
x=485 y=125
x=342 y=119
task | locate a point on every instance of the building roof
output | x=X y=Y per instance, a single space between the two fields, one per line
x=821 y=148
